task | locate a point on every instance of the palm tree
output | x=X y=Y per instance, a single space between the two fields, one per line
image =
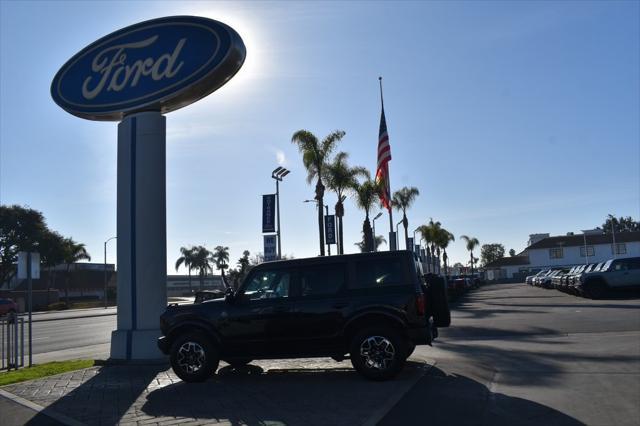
x=366 y=195
x=201 y=262
x=244 y=265
x=52 y=249
x=444 y=238
x=402 y=200
x=72 y=253
x=186 y=258
x=220 y=256
x=341 y=178
x=472 y=243
x=430 y=233
x=377 y=241
x=314 y=157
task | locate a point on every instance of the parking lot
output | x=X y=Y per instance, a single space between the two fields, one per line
x=515 y=355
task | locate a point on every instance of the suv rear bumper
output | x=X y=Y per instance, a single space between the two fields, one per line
x=419 y=336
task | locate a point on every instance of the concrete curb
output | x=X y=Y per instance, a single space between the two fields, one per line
x=73 y=317
x=40 y=409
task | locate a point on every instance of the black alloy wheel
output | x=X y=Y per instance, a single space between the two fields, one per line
x=193 y=357
x=378 y=353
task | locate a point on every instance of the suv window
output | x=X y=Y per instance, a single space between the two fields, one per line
x=322 y=280
x=268 y=284
x=376 y=273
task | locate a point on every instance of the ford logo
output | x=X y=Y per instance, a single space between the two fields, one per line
x=158 y=65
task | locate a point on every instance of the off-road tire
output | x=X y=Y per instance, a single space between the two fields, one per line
x=194 y=357
x=378 y=353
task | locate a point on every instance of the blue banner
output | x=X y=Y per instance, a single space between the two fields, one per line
x=330 y=229
x=270 y=252
x=269 y=213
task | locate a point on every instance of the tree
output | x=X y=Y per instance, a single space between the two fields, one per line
x=201 y=262
x=314 y=157
x=341 y=179
x=220 y=256
x=21 y=229
x=491 y=252
x=244 y=266
x=186 y=259
x=72 y=253
x=402 y=200
x=621 y=224
x=366 y=196
x=443 y=238
x=512 y=253
x=432 y=234
x=472 y=243
x=377 y=241
x=52 y=250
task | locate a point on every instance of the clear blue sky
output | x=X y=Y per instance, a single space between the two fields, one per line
x=510 y=117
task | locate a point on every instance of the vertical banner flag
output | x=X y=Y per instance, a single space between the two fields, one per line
x=270 y=252
x=269 y=213
x=330 y=228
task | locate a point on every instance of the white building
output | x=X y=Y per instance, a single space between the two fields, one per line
x=544 y=251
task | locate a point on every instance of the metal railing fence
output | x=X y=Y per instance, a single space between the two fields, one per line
x=11 y=342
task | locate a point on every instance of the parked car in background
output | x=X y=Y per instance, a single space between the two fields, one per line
x=615 y=274
x=530 y=278
x=8 y=306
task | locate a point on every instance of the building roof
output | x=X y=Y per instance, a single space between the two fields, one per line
x=508 y=261
x=578 y=240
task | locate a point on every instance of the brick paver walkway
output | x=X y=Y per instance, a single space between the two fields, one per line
x=291 y=392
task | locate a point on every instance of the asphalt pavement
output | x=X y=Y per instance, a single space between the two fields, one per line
x=514 y=355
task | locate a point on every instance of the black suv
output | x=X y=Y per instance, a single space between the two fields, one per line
x=372 y=306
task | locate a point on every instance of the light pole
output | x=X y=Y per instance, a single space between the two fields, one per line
x=105 y=270
x=375 y=248
x=414 y=241
x=398 y=239
x=326 y=209
x=278 y=174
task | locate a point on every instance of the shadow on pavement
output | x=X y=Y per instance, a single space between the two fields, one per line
x=442 y=399
x=105 y=397
x=300 y=396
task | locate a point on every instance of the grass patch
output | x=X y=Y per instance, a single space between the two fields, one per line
x=43 y=370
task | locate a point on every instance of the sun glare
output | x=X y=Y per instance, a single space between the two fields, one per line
x=248 y=30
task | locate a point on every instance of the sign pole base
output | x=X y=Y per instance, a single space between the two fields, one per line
x=142 y=241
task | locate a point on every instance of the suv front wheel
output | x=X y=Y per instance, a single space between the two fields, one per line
x=193 y=357
x=378 y=353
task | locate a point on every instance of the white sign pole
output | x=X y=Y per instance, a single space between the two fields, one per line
x=142 y=242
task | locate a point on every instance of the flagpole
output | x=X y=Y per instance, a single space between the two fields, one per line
x=392 y=241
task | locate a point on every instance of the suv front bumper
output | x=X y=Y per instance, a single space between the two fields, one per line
x=163 y=345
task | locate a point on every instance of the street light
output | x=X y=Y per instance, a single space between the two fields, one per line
x=414 y=241
x=105 y=270
x=278 y=174
x=326 y=209
x=374 y=231
x=398 y=239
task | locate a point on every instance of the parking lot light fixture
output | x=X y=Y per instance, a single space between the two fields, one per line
x=375 y=248
x=397 y=239
x=105 y=270
x=278 y=174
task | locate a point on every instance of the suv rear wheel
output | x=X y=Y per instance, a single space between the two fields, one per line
x=378 y=353
x=193 y=357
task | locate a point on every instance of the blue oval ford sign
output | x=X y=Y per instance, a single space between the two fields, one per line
x=158 y=65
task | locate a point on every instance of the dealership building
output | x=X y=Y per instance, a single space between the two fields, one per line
x=544 y=251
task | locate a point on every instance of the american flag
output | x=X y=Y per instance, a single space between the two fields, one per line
x=384 y=156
